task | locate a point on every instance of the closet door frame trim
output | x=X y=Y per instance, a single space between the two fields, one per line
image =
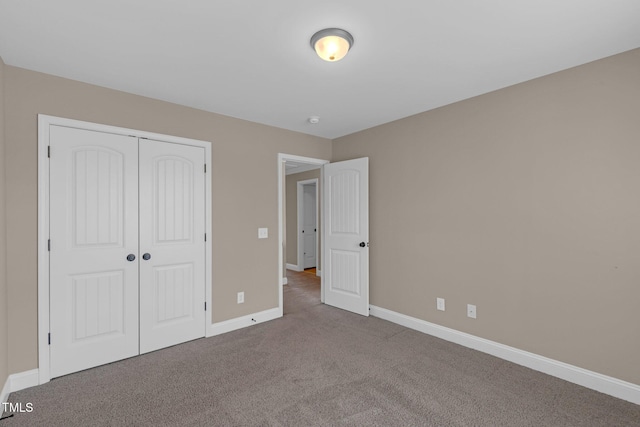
x=44 y=122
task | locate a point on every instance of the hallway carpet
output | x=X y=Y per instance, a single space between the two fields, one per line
x=322 y=366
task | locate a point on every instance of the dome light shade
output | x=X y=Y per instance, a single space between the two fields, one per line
x=332 y=44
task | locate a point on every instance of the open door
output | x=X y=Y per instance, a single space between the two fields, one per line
x=308 y=226
x=345 y=257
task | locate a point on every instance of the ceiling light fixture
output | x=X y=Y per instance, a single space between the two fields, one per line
x=332 y=44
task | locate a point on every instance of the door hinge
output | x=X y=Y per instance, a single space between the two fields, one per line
x=205 y=168
x=49 y=151
x=49 y=338
x=205 y=306
x=205 y=237
x=49 y=245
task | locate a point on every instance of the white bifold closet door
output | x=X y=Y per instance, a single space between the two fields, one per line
x=172 y=228
x=113 y=199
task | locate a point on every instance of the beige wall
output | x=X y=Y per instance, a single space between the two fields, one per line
x=525 y=202
x=292 y=213
x=3 y=247
x=242 y=200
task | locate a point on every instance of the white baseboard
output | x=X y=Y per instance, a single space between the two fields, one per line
x=25 y=379
x=242 y=322
x=593 y=380
x=294 y=267
x=17 y=382
x=297 y=268
x=4 y=394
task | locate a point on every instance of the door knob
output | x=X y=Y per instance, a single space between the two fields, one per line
x=131 y=257
x=146 y=256
x=363 y=244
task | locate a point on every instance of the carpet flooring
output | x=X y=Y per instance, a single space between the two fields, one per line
x=317 y=366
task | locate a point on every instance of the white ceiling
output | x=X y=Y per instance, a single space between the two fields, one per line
x=252 y=59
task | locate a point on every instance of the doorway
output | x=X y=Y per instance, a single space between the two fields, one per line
x=345 y=228
x=289 y=164
x=308 y=225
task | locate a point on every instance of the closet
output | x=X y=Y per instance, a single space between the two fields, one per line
x=127 y=225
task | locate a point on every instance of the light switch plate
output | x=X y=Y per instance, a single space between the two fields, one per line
x=240 y=297
x=471 y=311
x=440 y=304
x=263 y=233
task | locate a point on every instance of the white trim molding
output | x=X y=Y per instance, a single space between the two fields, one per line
x=243 y=322
x=4 y=394
x=318 y=273
x=293 y=267
x=17 y=382
x=25 y=379
x=593 y=380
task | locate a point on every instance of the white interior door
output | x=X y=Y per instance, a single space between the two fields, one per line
x=94 y=227
x=346 y=235
x=309 y=225
x=172 y=244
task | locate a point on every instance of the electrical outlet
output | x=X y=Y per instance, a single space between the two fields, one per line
x=440 y=304
x=240 y=297
x=471 y=311
x=263 y=233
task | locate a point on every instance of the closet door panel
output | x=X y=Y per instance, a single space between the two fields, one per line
x=172 y=246
x=94 y=227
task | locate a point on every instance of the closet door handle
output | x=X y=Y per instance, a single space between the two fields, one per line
x=131 y=257
x=146 y=256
